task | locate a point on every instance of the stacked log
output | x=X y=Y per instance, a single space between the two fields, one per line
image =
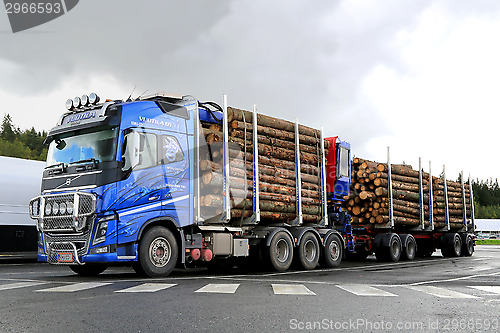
x=368 y=200
x=277 y=175
x=455 y=202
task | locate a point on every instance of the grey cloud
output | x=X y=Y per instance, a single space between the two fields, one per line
x=294 y=59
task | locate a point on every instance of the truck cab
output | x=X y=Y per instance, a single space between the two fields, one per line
x=110 y=167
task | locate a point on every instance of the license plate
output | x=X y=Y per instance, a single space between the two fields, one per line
x=65 y=257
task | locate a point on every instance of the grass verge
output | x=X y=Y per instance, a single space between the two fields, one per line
x=488 y=241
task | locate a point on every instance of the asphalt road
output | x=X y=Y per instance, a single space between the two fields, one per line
x=428 y=295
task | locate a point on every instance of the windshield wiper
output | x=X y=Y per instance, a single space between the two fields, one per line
x=87 y=164
x=56 y=169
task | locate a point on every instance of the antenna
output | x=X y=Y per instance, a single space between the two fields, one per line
x=128 y=98
x=145 y=91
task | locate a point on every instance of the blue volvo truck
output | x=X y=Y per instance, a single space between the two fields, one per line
x=123 y=185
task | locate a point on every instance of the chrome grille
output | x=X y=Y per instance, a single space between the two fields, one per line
x=57 y=243
x=55 y=249
x=58 y=223
x=83 y=206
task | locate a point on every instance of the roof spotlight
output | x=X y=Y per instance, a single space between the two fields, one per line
x=69 y=104
x=77 y=102
x=93 y=98
x=85 y=100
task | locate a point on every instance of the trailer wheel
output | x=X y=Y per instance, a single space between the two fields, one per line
x=332 y=252
x=308 y=251
x=157 y=252
x=451 y=245
x=389 y=249
x=409 y=245
x=88 y=269
x=467 y=245
x=280 y=251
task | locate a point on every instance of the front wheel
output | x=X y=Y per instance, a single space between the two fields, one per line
x=332 y=252
x=89 y=269
x=158 y=253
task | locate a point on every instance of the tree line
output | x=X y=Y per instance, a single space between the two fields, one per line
x=28 y=144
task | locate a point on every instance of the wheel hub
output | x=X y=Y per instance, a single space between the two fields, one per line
x=282 y=251
x=160 y=252
x=333 y=251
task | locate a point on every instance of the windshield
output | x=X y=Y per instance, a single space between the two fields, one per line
x=75 y=147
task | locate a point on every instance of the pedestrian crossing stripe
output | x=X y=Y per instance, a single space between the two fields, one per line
x=216 y=288
x=441 y=292
x=291 y=289
x=17 y=285
x=147 y=288
x=489 y=289
x=365 y=290
x=75 y=287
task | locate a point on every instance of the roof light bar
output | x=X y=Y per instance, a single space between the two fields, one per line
x=85 y=100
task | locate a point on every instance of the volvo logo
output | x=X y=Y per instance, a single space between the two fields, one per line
x=68 y=181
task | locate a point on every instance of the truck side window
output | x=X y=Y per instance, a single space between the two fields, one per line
x=343 y=170
x=139 y=150
x=170 y=149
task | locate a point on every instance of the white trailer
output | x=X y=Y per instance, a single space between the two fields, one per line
x=20 y=180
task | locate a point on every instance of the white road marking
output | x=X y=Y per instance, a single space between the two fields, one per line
x=228 y=288
x=364 y=290
x=75 y=287
x=454 y=279
x=440 y=292
x=291 y=289
x=489 y=289
x=19 y=285
x=146 y=288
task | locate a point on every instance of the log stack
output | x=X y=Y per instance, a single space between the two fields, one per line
x=277 y=175
x=368 y=201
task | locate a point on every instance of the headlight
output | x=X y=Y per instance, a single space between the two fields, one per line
x=48 y=209
x=85 y=100
x=77 y=102
x=62 y=208
x=69 y=207
x=93 y=98
x=100 y=233
x=34 y=208
x=69 y=104
x=55 y=208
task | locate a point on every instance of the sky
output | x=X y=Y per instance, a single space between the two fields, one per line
x=421 y=77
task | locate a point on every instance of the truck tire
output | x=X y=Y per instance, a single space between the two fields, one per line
x=389 y=249
x=308 y=251
x=280 y=252
x=332 y=252
x=409 y=247
x=88 y=269
x=158 y=253
x=467 y=245
x=451 y=245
